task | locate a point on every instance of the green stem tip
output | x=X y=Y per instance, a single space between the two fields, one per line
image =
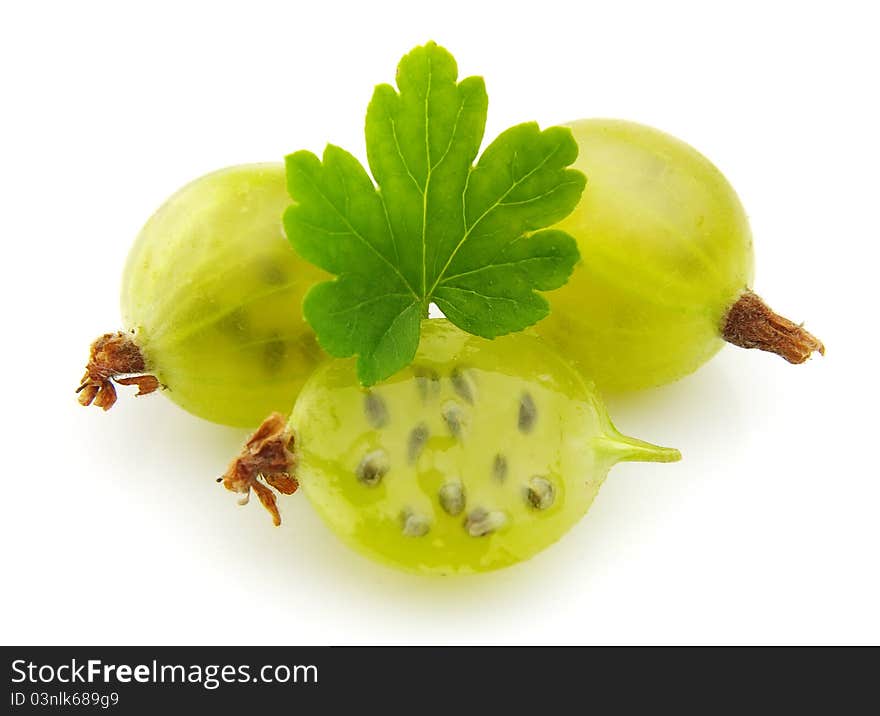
x=626 y=449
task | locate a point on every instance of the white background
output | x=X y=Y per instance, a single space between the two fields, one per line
x=113 y=529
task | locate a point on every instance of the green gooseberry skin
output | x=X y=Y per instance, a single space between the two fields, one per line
x=665 y=249
x=447 y=420
x=212 y=293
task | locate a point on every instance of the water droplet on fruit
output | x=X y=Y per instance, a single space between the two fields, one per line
x=481 y=522
x=414 y=525
x=463 y=384
x=499 y=468
x=454 y=417
x=452 y=498
x=528 y=413
x=375 y=410
x=540 y=493
x=417 y=439
x=372 y=467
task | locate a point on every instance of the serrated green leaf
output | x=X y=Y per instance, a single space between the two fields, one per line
x=437 y=228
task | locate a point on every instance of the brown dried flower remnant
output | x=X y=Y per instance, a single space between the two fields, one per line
x=266 y=455
x=750 y=323
x=111 y=356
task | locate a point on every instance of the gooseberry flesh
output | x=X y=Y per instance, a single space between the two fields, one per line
x=477 y=456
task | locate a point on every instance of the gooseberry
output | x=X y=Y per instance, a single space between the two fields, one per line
x=211 y=304
x=478 y=455
x=666 y=264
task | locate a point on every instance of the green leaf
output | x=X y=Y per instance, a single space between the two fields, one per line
x=470 y=238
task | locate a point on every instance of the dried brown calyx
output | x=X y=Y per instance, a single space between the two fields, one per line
x=114 y=357
x=751 y=324
x=266 y=455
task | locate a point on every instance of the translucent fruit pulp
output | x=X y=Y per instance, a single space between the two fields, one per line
x=479 y=455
